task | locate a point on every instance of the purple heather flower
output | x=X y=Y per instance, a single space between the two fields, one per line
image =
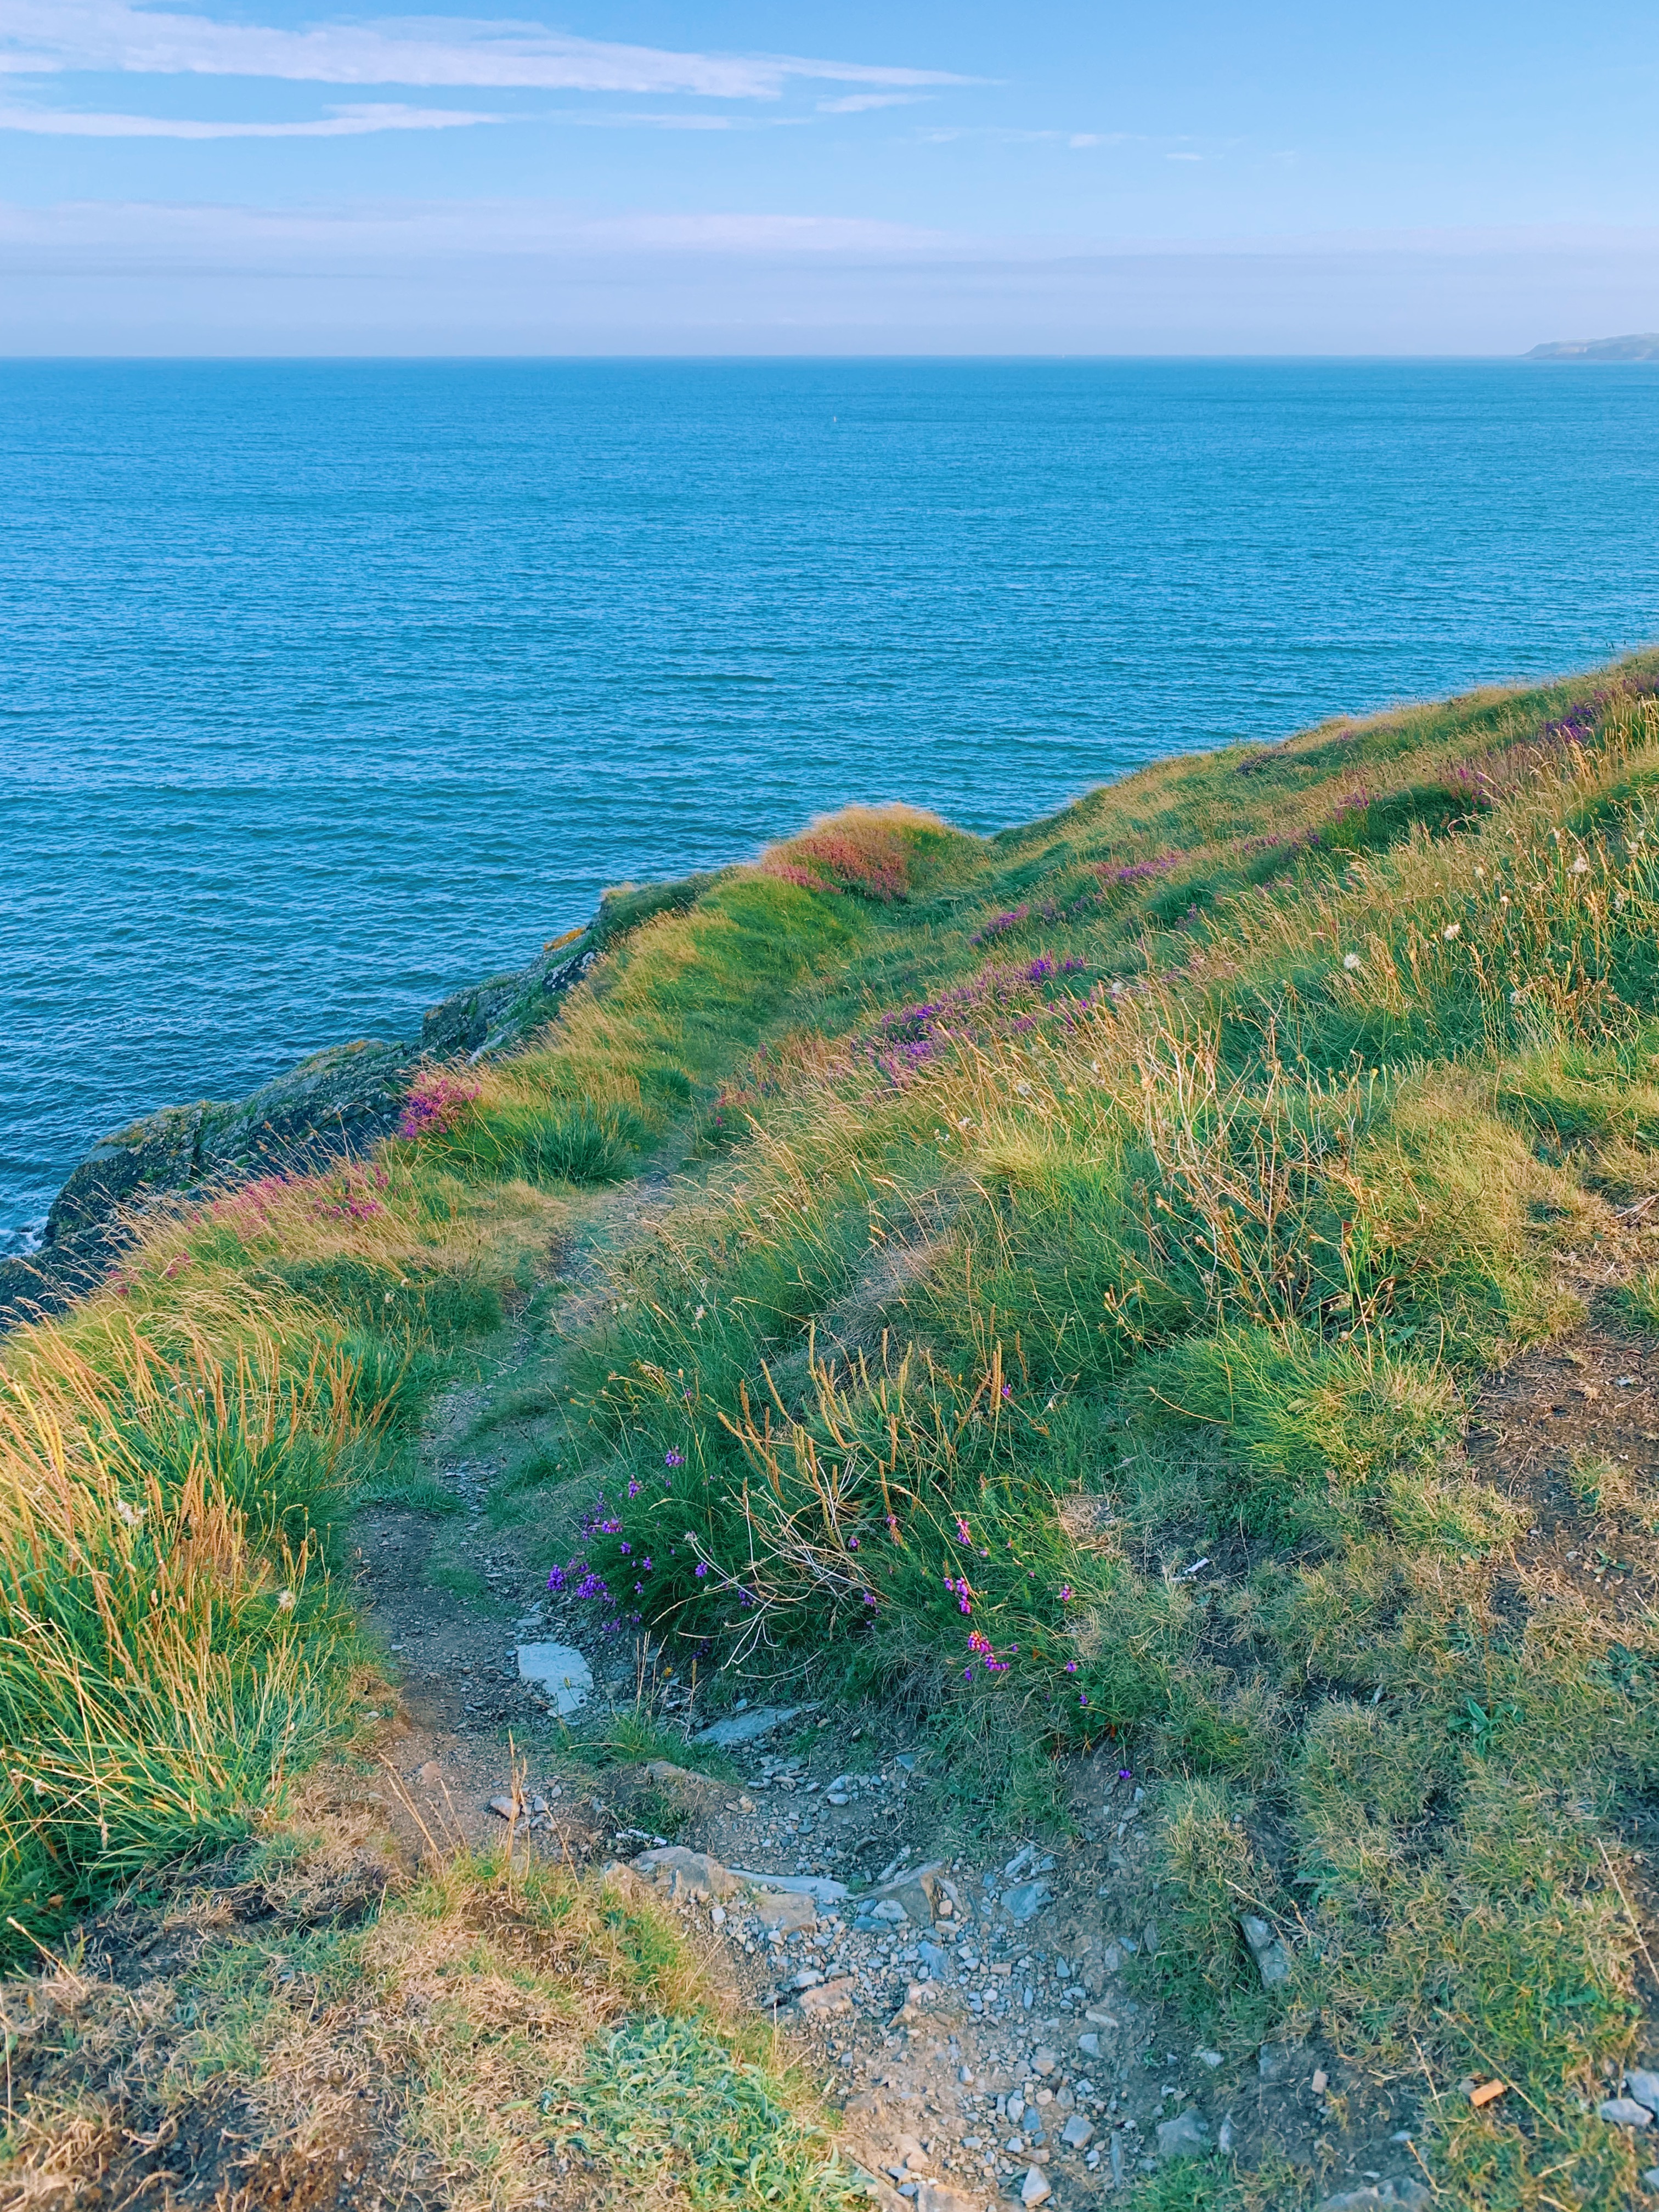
x=1064 y=1593
x=702 y=1569
x=852 y=1543
x=1071 y=1666
x=633 y=1489
x=645 y=1567
x=673 y=1459
x=624 y=1549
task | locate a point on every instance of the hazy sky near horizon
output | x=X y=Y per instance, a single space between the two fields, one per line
x=634 y=176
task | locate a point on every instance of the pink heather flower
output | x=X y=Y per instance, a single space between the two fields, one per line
x=963 y=1537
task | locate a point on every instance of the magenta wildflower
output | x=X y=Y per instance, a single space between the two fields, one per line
x=963 y=1536
x=1066 y=1592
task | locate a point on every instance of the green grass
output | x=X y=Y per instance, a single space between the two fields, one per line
x=1151 y=1184
x=475 y=2032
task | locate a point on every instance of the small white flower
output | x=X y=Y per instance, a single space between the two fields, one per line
x=963 y=1122
x=1581 y=866
x=1351 y=961
x=1094 y=1068
x=284 y=1601
x=1453 y=929
x=1024 y=1088
x=1515 y=998
x=1503 y=898
x=131 y=1515
x=700 y=1313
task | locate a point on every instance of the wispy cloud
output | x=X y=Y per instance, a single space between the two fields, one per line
x=50 y=36
x=998 y=134
x=351 y=122
x=383 y=234
x=859 y=103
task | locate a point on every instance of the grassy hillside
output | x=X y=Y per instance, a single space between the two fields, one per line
x=1069 y=1325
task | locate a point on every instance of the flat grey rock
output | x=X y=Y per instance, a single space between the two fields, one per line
x=563 y=1673
x=1625 y=2112
x=1078 y=2131
x=686 y=1874
x=796 y=1884
x=1408 y=2192
x=1036 y=2188
x=1273 y=1963
x=748 y=1728
x=1184 y=2136
x=1027 y=1901
x=1644 y=2087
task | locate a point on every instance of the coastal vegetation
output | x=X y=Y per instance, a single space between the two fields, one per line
x=1087 y=1253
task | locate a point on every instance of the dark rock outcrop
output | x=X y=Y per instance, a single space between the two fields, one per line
x=339 y=1100
x=503 y=1009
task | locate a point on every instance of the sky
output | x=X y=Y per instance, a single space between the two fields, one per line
x=637 y=177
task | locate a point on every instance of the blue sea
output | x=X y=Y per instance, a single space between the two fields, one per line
x=326 y=688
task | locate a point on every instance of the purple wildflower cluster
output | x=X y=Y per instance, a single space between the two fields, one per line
x=1000 y=925
x=438 y=1098
x=1144 y=872
x=348 y=1194
x=997 y=1003
x=984 y=1651
x=959 y=1588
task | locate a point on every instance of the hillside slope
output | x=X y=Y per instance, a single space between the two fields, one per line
x=1117 y=1293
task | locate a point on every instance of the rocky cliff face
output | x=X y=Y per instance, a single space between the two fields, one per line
x=339 y=1100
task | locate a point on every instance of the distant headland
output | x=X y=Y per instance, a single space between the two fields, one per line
x=1642 y=346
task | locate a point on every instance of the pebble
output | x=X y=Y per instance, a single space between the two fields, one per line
x=1036 y=2188
x=1644 y=2087
x=1077 y=2131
